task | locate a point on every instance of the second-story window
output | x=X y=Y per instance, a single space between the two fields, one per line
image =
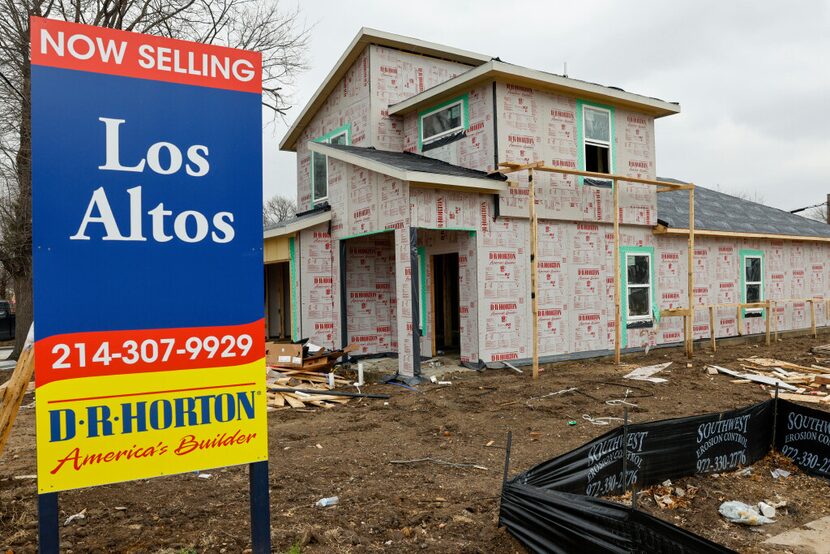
x=319 y=164
x=597 y=139
x=442 y=121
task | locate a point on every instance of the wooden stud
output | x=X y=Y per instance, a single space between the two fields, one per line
x=775 y=322
x=15 y=390
x=691 y=278
x=712 y=331
x=739 y=317
x=617 y=293
x=813 y=317
x=769 y=321
x=534 y=301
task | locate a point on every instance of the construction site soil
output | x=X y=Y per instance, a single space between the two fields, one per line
x=350 y=451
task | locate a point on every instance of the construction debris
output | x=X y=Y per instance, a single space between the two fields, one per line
x=738 y=512
x=304 y=357
x=803 y=383
x=300 y=389
x=645 y=373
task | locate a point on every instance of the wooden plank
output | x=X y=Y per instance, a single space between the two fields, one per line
x=617 y=292
x=737 y=235
x=292 y=400
x=534 y=301
x=712 y=331
x=768 y=321
x=813 y=317
x=809 y=398
x=14 y=393
x=691 y=283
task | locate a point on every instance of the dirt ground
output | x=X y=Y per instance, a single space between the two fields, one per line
x=413 y=507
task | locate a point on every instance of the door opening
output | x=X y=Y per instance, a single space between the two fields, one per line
x=446 y=308
x=278 y=301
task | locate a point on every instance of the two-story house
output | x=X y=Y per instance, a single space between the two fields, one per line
x=410 y=242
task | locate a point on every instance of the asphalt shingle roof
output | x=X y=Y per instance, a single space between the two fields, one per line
x=716 y=211
x=409 y=161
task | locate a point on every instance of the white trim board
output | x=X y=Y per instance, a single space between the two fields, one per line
x=500 y=71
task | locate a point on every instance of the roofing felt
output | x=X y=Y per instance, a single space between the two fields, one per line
x=409 y=161
x=716 y=211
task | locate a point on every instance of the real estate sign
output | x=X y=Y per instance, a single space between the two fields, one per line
x=148 y=290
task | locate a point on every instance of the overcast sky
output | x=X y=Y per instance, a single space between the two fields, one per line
x=752 y=78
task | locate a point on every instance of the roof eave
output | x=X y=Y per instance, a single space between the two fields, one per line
x=299 y=225
x=365 y=37
x=500 y=71
x=416 y=178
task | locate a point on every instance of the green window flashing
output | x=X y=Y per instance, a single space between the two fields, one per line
x=295 y=321
x=341 y=135
x=422 y=278
x=626 y=251
x=752 y=278
x=441 y=125
x=581 y=105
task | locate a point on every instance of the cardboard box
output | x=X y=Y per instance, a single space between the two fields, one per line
x=284 y=355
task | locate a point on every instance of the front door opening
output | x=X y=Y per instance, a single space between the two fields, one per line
x=446 y=307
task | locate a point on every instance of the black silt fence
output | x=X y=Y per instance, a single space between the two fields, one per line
x=553 y=507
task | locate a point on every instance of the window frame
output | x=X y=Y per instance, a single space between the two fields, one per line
x=629 y=317
x=463 y=101
x=752 y=255
x=327 y=139
x=582 y=154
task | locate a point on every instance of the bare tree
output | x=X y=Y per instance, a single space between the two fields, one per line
x=277 y=209
x=249 y=24
x=819 y=213
x=5 y=284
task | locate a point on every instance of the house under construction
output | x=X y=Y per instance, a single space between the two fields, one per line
x=424 y=173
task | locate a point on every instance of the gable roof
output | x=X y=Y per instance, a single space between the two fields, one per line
x=716 y=211
x=417 y=169
x=364 y=38
x=499 y=70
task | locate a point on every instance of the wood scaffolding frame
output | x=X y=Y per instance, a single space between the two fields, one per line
x=662 y=186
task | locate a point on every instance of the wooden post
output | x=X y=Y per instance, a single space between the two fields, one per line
x=691 y=280
x=712 y=332
x=812 y=302
x=617 y=294
x=533 y=275
x=769 y=320
x=739 y=317
x=775 y=322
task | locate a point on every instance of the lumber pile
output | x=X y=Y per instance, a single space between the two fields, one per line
x=301 y=382
x=13 y=391
x=794 y=381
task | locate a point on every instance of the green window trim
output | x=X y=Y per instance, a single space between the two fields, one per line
x=347 y=128
x=465 y=115
x=292 y=267
x=750 y=253
x=422 y=277
x=580 y=136
x=655 y=309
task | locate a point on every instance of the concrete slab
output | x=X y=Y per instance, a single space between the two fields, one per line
x=811 y=538
x=4 y=352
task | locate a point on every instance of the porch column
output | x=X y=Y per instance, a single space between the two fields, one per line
x=406 y=295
